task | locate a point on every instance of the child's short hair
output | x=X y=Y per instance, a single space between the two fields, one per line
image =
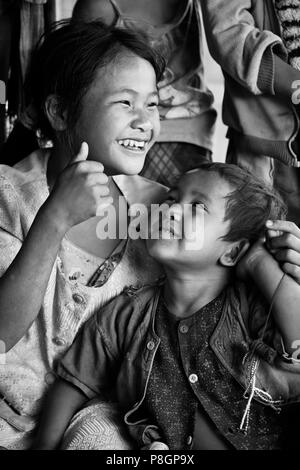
x=67 y=59
x=251 y=203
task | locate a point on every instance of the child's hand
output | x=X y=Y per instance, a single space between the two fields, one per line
x=283 y=241
x=256 y=254
x=79 y=190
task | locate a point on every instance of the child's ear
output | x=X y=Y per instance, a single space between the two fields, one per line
x=234 y=253
x=56 y=116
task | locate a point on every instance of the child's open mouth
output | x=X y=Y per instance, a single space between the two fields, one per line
x=168 y=230
x=134 y=145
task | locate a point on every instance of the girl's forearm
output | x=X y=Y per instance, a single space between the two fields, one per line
x=267 y=274
x=23 y=286
x=61 y=404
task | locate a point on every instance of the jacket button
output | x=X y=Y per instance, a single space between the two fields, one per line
x=150 y=345
x=78 y=299
x=193 y=378
x=58 y=341
x=183 y=329
x=50 y=378
x=189 y=440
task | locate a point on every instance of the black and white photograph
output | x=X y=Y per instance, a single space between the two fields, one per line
x=149 y=227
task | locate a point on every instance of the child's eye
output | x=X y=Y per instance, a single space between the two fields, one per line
x=170 y=199
x=199 y=205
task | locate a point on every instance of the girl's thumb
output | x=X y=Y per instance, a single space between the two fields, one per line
x=82 y=154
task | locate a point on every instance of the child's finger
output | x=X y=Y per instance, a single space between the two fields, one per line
x=288 y=256
x=285 y=241
x=283 y=226
x=292 y=270
x=273 y=233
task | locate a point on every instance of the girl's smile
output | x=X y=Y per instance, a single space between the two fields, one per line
x=133 y=145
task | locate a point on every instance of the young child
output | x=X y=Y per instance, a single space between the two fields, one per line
x=197 y=354
x=94 y=89
x=185 y=103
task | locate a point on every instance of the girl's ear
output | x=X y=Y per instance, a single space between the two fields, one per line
x=234 y=253
x=56 y=116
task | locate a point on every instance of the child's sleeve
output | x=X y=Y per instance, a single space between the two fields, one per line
x=239 y=46
x=11 y=234
x=91 y=362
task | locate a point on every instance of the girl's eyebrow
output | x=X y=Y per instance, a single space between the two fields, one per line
x=132 y=92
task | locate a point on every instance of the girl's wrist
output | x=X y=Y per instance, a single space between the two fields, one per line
x=53 y=220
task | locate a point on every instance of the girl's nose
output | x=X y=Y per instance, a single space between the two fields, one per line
x=142 y=121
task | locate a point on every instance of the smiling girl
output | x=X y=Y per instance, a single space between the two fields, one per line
x=185 y=103
x=94 y=90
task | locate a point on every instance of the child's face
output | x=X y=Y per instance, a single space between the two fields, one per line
x=205 y=192
x=119 y=118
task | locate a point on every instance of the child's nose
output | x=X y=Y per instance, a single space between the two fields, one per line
x=175 y=212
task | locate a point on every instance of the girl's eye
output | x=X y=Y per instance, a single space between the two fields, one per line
x=153 y=105
x=125 y=102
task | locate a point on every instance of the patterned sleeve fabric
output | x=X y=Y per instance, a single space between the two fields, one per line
x=288 y=12
x=10 y=225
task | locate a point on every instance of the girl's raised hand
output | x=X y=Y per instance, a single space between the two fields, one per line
x=283 y=241
x=79 y=191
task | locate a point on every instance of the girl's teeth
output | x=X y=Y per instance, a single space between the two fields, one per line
x=132 y=143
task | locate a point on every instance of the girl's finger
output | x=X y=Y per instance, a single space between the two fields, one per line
x=103 y=204
x=82 y=154
x=292 y=270
x=103 y=190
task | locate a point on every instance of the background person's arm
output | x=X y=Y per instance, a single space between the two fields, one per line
x=255 y=58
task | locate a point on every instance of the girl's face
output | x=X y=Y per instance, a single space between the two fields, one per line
x=119 y=118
